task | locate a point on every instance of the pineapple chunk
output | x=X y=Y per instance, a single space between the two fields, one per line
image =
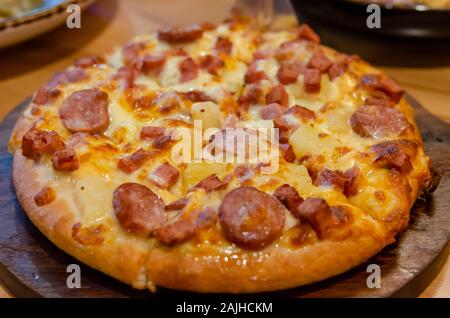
x=195 y=172
x=208 y=112
x=93 y=196
x=307 y=140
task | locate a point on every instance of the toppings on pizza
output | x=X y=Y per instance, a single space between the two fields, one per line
x=312 y=81
x=177 y=204
x=344 y=181
x=185 y=226
x=44 y=197
x=88 y=235
x=37 y=142
x=320 y=61
x=339 y=67
x=164 y=176
x=250 y=218
x=163 y=142
x=272 y=111
x=278 y=94
x=86 y=111
x=253 y=75
x=89 y=61
x=211 y=183
x=211 y=63
x=50 y=92
x=46 y=95
x=138 y=209
x=323 y=218
x=180 y=34
x=152 y=132
x=152 y=64
x=395 y=154
x=132 y=51
x=134 y=161
x=188 y=69
x=290 y=198
x=378 y=121
x=289 y=71
x=65 y=160
x=380 y=84
x=223 y=45
x=287 y=152
x=306 y=33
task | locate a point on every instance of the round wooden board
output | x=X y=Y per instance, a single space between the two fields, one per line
x=30 y=265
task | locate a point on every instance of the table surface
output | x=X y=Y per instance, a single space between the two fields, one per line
x=109 y=23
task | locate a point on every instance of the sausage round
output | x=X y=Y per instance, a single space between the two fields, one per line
x=250 y=218
x=173 y=34
x=378 y=121
x=138 y=209
x=86 y=111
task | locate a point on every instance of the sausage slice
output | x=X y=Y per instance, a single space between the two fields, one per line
x=138 y=209
x=378 y=121
x=174 y=34
x=86 y=111
x=250 y=218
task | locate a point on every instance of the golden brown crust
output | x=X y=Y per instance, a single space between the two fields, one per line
x=272 y=269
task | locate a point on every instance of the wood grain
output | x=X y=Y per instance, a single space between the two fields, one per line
x=111 y=22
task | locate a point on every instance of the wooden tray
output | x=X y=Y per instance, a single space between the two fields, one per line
x=32 y=266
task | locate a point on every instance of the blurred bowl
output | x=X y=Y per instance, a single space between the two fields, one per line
x=407 y=37
x=417 y=22
x=38 y=20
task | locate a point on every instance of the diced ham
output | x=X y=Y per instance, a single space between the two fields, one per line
x=164 y=176
x=312 y=81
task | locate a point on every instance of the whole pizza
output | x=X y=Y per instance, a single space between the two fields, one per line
x=94 y=165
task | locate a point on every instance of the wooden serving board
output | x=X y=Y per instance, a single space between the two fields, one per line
x=30 y=265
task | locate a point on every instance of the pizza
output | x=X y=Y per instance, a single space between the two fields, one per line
x=94 y=168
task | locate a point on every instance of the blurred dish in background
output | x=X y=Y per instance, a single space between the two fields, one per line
x=16 y=8
x=409 y=4
x=21 y=20
x=407 y=37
